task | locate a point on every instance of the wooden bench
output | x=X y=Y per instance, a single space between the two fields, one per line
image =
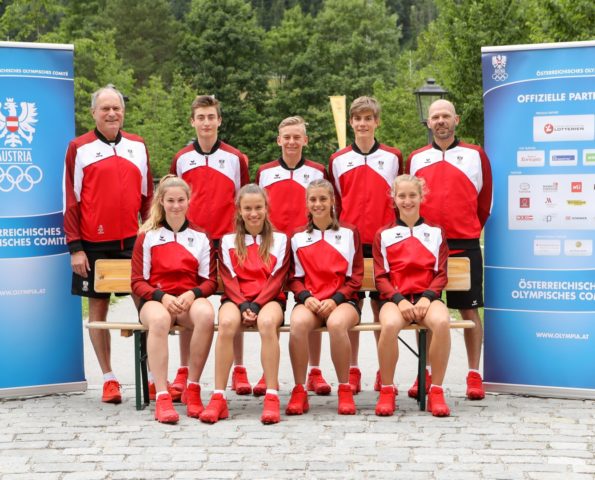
x=114 y=276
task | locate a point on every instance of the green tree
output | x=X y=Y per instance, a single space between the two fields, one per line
x=161 y=115
x=451 y=49
x=96 y=63
x=562 y=20
x=222 y=54
x=352 y=44
x=146 y=35
x=27 y=21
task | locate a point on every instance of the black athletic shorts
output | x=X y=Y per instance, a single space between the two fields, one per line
x=85 y=287
x=474 y=297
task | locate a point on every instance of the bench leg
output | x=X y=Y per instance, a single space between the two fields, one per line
x=421 y=371
x=140 y=370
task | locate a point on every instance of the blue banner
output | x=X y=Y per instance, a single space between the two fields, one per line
x=539 y=107
x=41 y=348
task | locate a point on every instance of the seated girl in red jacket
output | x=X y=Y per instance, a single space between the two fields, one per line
x=410 y=259
x=253 y=264
x=326 y=275
x=173 y=273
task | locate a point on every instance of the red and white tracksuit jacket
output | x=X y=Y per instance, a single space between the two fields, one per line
x=253 y=283
x=459 y=196
x=326 y=264
x=106 y=186
x=167 y=262
x=410 y=261
x=214 y=177
x=286 y=188
x=362 y=183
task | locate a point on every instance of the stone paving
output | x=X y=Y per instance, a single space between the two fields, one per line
x=75 y=436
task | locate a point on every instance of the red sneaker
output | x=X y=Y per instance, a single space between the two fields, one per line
x=194 y=406
x=270 y=410
x=386 y=405
x=436 y=403
x=260 y=388
x=240 y=382
x=346 y=403
x=378 y=382
x=412 y=392
x=175 y=394
x=216 y=409
x=475 y=389
x=111 y=392
x=164 y=409
x=180 y=380
x=316 y=383
x=355 y=380
x=298 y=403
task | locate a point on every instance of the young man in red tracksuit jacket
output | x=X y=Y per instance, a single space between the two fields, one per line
x=215 y=172
x=285 y=181
x=107 y=185
x=459 y=199
x=362 y=174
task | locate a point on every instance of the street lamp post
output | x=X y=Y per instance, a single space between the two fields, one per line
x=425 y=96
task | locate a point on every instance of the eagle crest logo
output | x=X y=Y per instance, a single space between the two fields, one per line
x=15 y=127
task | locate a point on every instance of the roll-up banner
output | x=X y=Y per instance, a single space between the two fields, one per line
x=539 y=103
x=41 y=348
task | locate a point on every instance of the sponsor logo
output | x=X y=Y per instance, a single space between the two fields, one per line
x=17 y=126
x=524 y=187
x=309 y=239
x=161 y=238
x=277 y=176
x=563 y=128
x=576 y=203
x=552 y=187
x=562 y=158
x=499 y=64
x=578 y=248
x=100 y=230
x=576 y=187
x=544 y=247
x=548 y=202
x=85 y=285
x=524 y=218
x=548 y=218
x=589 y=158
x=530 y=158
x=221 y=163
x=524 y=202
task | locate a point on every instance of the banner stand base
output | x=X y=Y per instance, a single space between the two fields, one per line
x=43 y=389
x=540 y=391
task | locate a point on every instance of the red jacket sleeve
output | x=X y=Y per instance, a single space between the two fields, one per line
x=244 y=172
x=484 y=199
x=274 y=284
x=208 y=286
x=381 y=275
x=72 y=210
x=296 y=283
x=441 y=278
x=231 y=286
x=141 y=286
x=352 y=283
x=335 y=182
x=146 y=200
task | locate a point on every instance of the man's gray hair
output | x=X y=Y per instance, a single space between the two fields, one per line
x=109 y=87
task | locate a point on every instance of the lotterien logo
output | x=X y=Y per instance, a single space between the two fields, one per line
x=17 y=126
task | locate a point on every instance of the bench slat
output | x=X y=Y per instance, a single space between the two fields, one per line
x=114 y=275
x=129 y=327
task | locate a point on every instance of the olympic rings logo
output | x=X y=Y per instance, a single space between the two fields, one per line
x=499 y=76
x=14 y=176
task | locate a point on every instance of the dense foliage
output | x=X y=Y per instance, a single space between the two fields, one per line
x=268 y=59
